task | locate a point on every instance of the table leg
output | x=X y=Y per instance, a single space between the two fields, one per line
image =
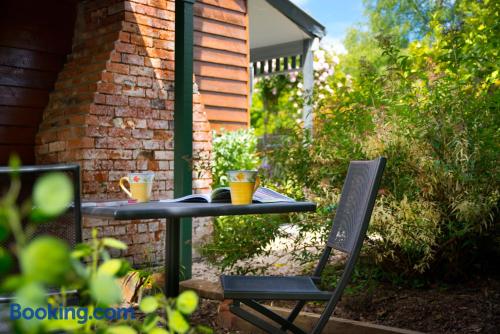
x=172 y=255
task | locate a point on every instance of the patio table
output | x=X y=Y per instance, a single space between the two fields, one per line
x=172 y=212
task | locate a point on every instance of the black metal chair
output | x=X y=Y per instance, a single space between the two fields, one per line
x=68 y=226
x=347 y=234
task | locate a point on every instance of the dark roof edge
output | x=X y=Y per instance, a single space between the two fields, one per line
x=307 y=23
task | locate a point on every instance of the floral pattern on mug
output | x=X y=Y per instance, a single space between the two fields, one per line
x=146 y=177
x=242 y=176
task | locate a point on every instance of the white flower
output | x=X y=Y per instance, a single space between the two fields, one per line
x=320 y=54
x=321 y=96
x=299 y=93
x=335 y=60
x=300 y=85
x=274 y=91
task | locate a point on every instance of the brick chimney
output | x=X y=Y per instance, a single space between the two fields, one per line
x=112 y=111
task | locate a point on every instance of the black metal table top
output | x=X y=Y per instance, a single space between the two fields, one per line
x=155 y=209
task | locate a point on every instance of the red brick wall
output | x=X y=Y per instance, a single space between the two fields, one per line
x=112 y=111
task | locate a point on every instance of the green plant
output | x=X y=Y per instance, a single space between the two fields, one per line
x=238 y=238
x=47 y=262
x=432 y=107
x=233 y=150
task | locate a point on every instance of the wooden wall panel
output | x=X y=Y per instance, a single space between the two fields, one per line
x=35 y=37
x=221 y=53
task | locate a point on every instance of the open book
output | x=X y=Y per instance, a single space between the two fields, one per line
x=223 y=195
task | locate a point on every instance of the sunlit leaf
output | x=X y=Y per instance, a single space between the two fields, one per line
x=187 y=302
x=105 y=290
x=53 y=194
x=122 y=329
x=81 y=250
x=158 y=330
x=177 y=322
x=110 y=267
x=114 y=243
x=148 y=304
x=46 y=259
x=62 y=325
x=204 y=329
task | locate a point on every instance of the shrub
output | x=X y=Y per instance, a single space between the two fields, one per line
x=433 y=109
x=236 y=150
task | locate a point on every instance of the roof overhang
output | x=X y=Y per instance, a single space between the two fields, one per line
x=278 y=28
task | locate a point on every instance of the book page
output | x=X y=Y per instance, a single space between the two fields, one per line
x=194 y=198
x=266 y=195
x=106 y=203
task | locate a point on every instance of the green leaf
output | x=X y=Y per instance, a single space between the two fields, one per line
x=150 y=322
x=105 y=290
x=12 y=283
x=31 y=295
x=158 y=330
x=122 y=329
x=148 y=304
x=5 y=261
x=124 y=269
x=81 y=250
x=177 y=322
x=46 y=259
x=110 y=267
x=64 y=325
x=187 y=302
x=53 y=194
x=4 y=224
x=114 y=243
x=204 y=329
x=14 y=162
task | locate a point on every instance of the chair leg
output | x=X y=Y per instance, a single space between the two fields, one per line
x=295 y=312
x=273 y=316
x=254 y=320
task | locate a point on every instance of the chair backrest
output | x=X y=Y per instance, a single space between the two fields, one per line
x=356 y=204
x=68 y=225
x=350 y=223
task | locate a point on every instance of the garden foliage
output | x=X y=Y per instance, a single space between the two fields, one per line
x=47 y=262
x=428 y=100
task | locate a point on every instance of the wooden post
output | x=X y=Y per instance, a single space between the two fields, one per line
x=308 y=74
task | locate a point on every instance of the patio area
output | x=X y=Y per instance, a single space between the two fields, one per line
x=221 y=166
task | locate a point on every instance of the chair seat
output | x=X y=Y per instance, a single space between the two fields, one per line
x=272 y=287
